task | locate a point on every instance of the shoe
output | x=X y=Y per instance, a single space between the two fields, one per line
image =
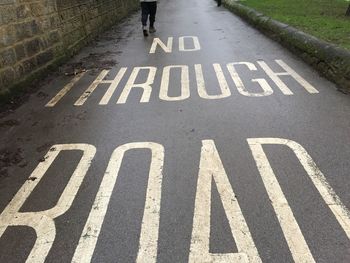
x=152 y=29
x=145 y=32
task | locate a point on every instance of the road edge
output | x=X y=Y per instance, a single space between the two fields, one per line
x=329 y=60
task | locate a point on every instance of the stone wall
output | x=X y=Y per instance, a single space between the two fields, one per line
x=38 y=34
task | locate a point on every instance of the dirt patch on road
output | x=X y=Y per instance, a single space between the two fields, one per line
x=44 y=147
x=92 y=62
x=9 y=123
x=8 y=158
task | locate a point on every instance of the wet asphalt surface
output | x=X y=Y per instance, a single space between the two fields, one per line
x=319 y=122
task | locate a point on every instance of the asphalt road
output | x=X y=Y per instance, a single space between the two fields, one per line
x=191 y=151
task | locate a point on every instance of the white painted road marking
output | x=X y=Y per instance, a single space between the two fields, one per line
x=288 y=72
x=327 y=193
x=185 y=83
x=267 y=90
x=64 y=91
x=196 y=44
x=150 y=223
x=91 y=88
x=147 y=86
x=295 y=239
x=112 y=88
x=224 y=88
x=166 y=48
x=211 y=168
x=288 y=223
x=43 y=221
x=101 y=80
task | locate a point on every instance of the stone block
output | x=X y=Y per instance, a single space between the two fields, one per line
x=7 y=77
x=32 y=46
x=23 y=12
x=24 y=30
x=45 y=57
x=7 y=2
x=7 y=36
x=59 y=50
x=7 y=57
x=35 y=27
x=19 y=71
x=55 y=21
x=38 y=9
x=29 y=65
x=7 y=14
x=53 y=37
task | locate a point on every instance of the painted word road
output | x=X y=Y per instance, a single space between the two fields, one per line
x=210 y=168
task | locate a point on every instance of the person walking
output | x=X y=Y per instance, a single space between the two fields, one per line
x=219 y=2
x=148 y=9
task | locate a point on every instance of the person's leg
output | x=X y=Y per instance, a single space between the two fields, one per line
x=144 y=17
x=144 y=13
x=152 y=17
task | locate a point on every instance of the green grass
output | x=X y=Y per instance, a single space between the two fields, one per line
x=324 y=19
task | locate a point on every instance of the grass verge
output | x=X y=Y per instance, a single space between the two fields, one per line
x=324 y=19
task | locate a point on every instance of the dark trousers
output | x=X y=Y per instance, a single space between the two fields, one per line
x=148 y=9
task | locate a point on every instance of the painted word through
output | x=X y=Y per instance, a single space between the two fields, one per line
x=255 y=87
x=211 y=168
